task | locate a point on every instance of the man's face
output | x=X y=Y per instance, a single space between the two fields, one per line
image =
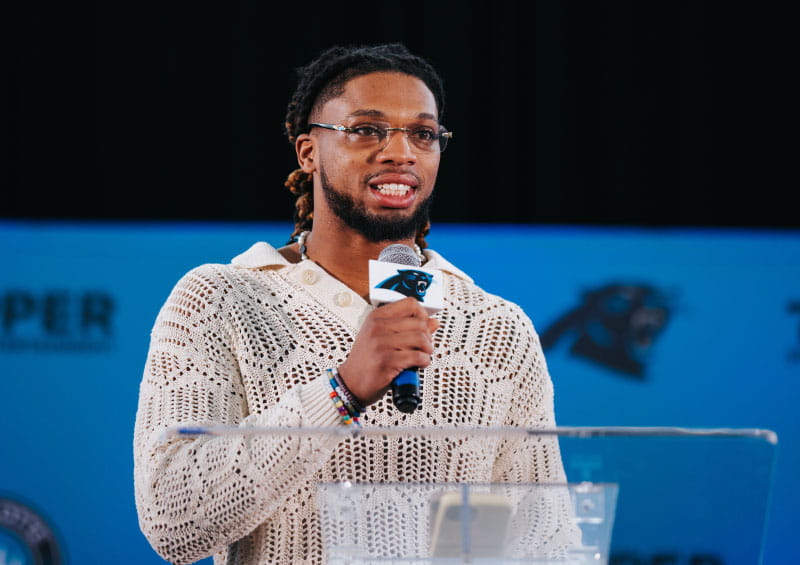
x=381 y=190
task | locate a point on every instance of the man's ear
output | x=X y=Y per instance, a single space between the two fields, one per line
x=306 y=150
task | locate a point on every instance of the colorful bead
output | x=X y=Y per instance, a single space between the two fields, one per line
x=353 y=404
x=341 y=400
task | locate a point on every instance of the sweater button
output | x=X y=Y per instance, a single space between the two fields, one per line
x=343 y=299
x=309 y=277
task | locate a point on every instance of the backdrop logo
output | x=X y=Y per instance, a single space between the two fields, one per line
x=615 y=326
x=794 y=308
x=25 y=537
x=56 y=320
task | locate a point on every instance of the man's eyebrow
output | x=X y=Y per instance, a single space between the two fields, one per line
x=367 y=112
x=378 y=114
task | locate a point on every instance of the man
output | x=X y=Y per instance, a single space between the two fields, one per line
x=272 y=338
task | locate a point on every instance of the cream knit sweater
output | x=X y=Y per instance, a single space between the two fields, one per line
x=248 y=343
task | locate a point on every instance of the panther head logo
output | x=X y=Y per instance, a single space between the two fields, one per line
x=615 y=326
x=409 y=282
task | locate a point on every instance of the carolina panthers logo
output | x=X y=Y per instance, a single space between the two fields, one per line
x=409 y=282
x=615 y=326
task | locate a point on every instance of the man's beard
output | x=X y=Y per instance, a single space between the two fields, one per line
x=373 y=227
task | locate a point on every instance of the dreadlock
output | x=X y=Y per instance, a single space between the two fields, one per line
x=324 y=79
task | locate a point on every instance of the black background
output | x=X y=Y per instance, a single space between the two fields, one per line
x=606 y=113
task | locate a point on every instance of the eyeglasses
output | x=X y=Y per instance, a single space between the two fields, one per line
x=423 y=138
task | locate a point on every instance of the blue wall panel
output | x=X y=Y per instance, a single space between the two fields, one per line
x=709 y=321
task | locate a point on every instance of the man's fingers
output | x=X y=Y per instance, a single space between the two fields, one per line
x=406 y=307
x=390 y=326
x=394 y=337
x=413 y=341
x=401 y=360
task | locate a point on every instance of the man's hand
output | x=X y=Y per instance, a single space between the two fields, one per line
x=394 y=337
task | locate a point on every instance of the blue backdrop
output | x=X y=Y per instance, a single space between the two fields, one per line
x=695 y=328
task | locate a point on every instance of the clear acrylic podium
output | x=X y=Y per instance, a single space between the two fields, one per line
x=633 y=495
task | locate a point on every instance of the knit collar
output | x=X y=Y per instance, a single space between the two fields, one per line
x=262 y=255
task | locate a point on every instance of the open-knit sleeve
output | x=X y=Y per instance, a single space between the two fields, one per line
x=544 y=522
x=531 y=406
x=196 y=495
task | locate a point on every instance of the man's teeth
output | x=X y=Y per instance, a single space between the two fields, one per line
x=393 y=189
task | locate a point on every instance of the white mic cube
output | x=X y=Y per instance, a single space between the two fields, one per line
x=390 y=282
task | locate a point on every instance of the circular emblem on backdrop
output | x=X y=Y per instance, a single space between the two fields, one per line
x=25 y=537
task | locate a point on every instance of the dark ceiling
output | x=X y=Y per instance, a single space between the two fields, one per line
x=605 y=113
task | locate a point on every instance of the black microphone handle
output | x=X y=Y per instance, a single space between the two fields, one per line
x=405 y=390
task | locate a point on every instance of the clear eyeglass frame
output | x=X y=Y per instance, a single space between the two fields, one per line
x=421 y=137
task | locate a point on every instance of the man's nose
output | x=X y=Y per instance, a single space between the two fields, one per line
x=397 y=147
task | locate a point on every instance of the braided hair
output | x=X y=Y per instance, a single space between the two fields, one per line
x=325 y=78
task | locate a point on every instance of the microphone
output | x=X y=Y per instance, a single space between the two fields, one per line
x=391 y=280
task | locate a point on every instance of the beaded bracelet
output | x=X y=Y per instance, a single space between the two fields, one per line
x=342 y=393
x=349 y=416
x=348 y=397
